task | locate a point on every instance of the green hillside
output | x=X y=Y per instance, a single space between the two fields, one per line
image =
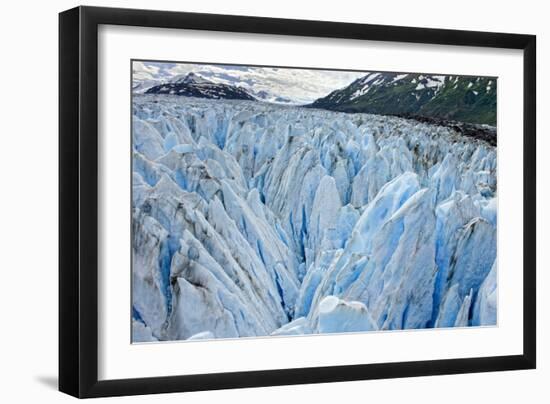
x=461 y=98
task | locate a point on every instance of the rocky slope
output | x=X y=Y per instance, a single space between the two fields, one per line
x=459 y=98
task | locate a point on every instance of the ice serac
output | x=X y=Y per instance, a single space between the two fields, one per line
x=150 y=246
x=397 y=282
x=141 y=332
x=254 y=219
x=323 y=218
x=336 y=315
x=485 y=309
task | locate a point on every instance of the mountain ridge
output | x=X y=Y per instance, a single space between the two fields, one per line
x=468 y=99
x=193 y=85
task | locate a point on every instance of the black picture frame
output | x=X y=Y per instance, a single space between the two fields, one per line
x=78 y=201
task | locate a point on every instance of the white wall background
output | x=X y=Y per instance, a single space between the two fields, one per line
x=28 y=200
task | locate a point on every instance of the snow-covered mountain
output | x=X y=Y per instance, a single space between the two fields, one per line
x=460 y=98
x=193 y=85
x=196 y=85
x=266 y=96
x=252 y=219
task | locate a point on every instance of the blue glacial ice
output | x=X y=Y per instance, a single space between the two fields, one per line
x=253 y=219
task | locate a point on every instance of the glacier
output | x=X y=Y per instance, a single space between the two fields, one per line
x=255 y=219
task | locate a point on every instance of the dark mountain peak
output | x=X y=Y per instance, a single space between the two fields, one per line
x=262 y=94
x=194 y=85
x=266 y=96
x=191 y=78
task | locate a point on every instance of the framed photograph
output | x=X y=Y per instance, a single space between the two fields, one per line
x=251 y=201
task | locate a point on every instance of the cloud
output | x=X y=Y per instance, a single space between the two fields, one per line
x=143 y=71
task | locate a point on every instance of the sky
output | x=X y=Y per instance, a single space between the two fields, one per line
x=299 y=85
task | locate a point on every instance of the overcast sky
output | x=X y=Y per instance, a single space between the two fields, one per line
x=300 y=85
